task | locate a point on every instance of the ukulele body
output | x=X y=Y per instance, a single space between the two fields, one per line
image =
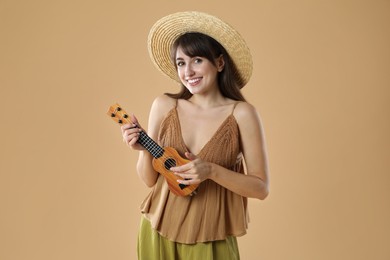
x=169 y=159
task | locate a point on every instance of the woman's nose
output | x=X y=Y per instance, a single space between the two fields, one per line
x=188 y=71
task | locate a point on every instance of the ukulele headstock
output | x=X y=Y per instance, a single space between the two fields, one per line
x=118 y=114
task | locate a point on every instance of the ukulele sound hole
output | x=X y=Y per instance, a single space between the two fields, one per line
x=169 y=163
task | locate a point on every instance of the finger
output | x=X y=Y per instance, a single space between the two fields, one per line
x=131 y=130
x=127 y=127
x=133 y=141
x=187 y=176
x=189 y=181
x=129 y=138
x=134 y=120
x=181 y=169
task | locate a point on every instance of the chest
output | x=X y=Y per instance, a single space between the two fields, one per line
x=198 y=128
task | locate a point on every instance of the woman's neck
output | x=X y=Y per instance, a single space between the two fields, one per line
x=209 y=100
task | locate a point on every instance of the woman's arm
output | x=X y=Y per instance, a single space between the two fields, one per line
x=255 y=183
x=161 y=105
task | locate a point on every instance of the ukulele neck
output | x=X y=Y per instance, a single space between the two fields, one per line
x=121 y=117
x=151 y=146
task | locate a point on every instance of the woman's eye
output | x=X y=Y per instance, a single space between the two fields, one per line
x=198 y=60
x=180 y=63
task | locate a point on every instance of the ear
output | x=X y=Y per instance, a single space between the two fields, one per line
x=220 y=62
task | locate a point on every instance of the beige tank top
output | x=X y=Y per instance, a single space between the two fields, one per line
x=214 y=212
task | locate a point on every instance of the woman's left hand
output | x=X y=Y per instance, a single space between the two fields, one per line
x=193 y=172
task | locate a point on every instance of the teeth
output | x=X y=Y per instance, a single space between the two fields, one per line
x=192 y=81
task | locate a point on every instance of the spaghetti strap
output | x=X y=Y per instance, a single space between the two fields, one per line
x=234 y=106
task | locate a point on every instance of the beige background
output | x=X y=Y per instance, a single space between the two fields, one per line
x=68 y=188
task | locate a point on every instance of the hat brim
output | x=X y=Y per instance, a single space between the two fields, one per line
x=165 y=31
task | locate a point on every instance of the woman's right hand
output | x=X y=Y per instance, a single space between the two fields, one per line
x=130 y=134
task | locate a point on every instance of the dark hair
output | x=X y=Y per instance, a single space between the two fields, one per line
x=198 y=44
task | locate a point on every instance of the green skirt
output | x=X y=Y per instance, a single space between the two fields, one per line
x=152 y=246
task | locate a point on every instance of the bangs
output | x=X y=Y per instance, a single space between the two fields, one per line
x=197 y=45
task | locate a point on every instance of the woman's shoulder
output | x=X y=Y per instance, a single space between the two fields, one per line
x=245 y=112
x=161 y=106
x=243 y=108
x=164 y=103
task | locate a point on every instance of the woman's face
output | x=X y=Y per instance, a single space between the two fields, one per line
x=198 y=74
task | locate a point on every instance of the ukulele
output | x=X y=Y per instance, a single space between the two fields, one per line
x=163 y=157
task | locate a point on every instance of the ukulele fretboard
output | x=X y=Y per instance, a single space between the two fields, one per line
x=153 y=148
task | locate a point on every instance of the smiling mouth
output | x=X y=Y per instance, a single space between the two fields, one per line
x=193 y=81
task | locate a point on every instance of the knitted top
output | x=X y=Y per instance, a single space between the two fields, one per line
x=214 y=212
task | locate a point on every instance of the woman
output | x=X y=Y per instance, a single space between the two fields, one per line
x=210 y=123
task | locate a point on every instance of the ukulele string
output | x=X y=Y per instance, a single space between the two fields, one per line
x=151 y=142
x=151 y=145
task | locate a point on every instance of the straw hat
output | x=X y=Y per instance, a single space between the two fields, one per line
x=166 y=30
